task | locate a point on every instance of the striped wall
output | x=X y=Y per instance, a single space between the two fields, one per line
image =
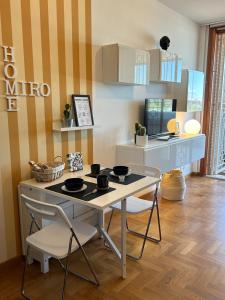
x=52 y=41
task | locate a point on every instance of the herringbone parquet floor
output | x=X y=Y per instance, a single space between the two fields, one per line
x=189 y=264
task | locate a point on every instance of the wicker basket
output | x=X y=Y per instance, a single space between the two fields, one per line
x=173 y=185
x=54 y=171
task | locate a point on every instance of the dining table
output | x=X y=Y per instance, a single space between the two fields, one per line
x=101 y=200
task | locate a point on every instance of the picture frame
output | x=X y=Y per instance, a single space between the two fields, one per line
x=82 y=110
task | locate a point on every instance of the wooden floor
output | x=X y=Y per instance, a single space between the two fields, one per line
x=188 y=264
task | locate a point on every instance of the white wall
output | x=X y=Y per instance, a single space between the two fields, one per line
x=137 y=23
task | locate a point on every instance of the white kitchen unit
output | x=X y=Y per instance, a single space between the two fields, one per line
x=125 y=65
x=164 y=66
x=189 y=93
x=164 y=155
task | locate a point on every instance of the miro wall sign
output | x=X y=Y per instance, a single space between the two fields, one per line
x=14 y=88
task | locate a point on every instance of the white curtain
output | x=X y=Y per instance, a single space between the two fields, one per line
x=216 y=159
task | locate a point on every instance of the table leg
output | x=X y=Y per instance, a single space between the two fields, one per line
x=123 y=238
x=101 y=221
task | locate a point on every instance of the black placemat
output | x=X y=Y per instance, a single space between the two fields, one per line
x=128 y=179
x=80 y=195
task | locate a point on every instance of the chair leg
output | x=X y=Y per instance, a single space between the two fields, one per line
x=96 y=281
x=24 y=273
x=145 y=236
x=66 y=267
x=76 y=274
x=149 y=238
x=159 y=225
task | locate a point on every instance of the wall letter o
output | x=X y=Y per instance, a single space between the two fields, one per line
x=44 y=89
x=7 y=71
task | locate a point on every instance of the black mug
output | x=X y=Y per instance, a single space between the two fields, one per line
x=95 y=169
x=102 y=182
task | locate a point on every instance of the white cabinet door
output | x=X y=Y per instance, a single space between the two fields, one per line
x=189 y=93
x=125 y=65
x=181 y=154
x=165 y=66
x=159 y=157
x=198 y=148
x=132 y=154
x=141 y=67
x=126 y=62
x=195 y=91
x=168 y=66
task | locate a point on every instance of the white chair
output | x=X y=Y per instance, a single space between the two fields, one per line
x=137 y=205
x=59 y=239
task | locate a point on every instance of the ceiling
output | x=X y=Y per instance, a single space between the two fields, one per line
x=200 y=11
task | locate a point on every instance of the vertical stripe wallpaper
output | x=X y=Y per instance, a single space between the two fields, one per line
x=52 y=42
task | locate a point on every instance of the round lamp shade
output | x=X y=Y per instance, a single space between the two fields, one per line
x=171 y=125
x=192 y=127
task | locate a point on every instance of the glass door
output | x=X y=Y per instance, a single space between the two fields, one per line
x=216 y=132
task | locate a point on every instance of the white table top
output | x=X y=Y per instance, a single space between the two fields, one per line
x=121 y=192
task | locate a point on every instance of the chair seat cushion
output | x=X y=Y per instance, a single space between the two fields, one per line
x=54 y=238
x=134 y=205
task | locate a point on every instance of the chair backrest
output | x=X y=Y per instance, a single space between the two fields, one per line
x=44 y=210
x=145 y=170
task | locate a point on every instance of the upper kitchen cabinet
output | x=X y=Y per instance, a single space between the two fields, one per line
x=125 y=65
x=189 y=93
x=164 y=66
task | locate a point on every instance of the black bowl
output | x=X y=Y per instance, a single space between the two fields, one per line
x=73 y=184
x=120 y=170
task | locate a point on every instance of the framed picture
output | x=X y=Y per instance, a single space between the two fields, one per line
x=82 y=110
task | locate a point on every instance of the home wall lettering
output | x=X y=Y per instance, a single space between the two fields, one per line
x=14 y=88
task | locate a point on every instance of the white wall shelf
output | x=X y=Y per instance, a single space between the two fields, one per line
x=59 y=129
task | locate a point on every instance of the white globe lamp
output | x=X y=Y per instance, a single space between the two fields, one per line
x=192 y=127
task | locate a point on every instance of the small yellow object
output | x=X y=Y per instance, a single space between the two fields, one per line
x=171 y=125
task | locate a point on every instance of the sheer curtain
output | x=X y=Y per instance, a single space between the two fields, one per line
x=216 y=137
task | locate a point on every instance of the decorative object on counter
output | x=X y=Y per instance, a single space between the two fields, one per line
x=140 y=137
x=164 y=42
x=177 y=131
x=74 y=161
x=68 y=120
x=82 y=110
x=173 y=185
x=137 y=127
x=73 y=184
x=121 y=172
x=173 y=126
x=44 y=172
x=102 y=182
x=95 y=169
x=192 y=127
